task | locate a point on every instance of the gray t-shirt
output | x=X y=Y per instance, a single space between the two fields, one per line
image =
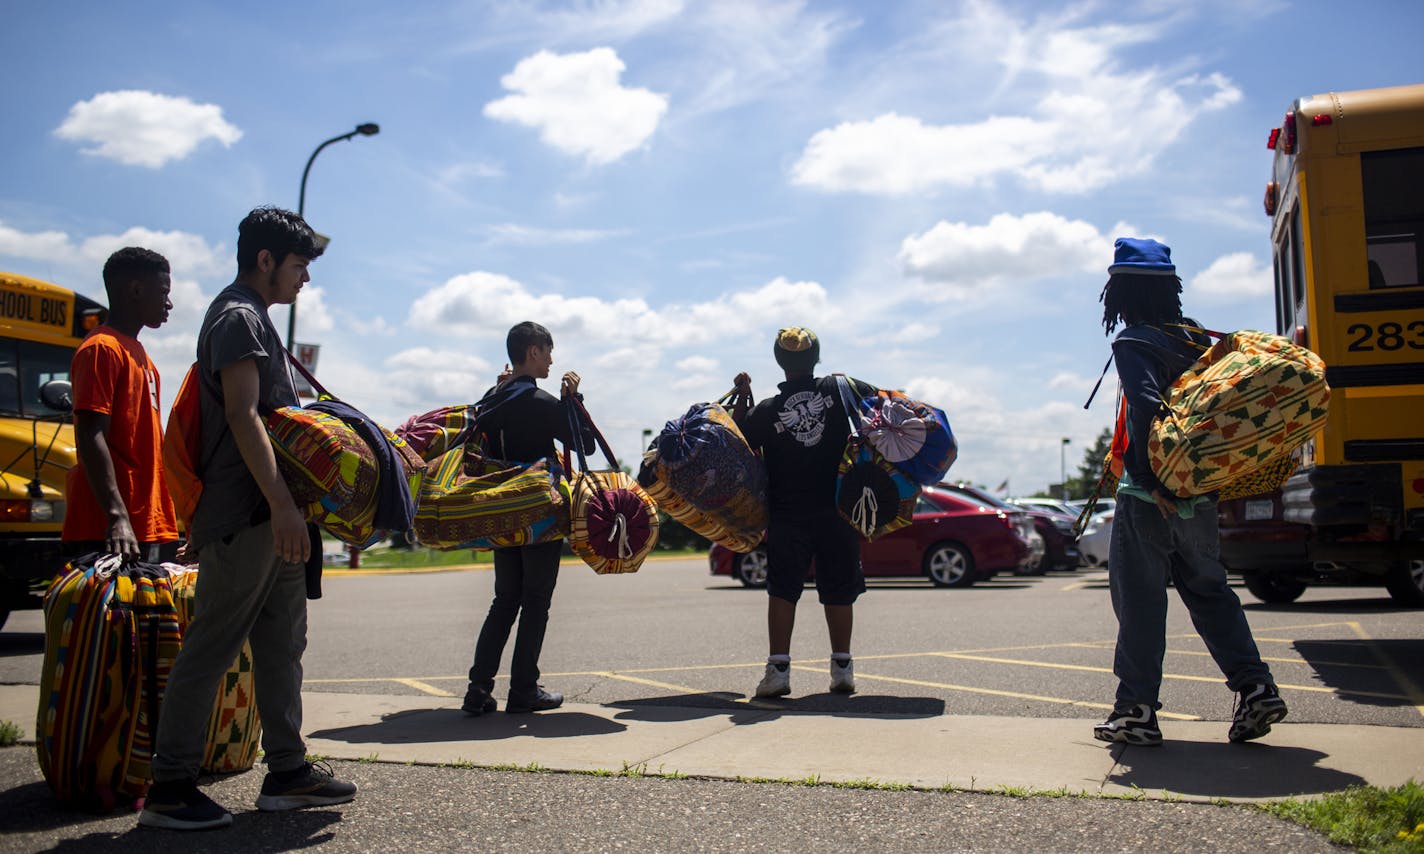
x=236 y=327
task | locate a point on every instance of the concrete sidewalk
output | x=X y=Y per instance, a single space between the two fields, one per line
x=977 y=753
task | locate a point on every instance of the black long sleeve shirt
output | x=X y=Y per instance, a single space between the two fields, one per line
x=522 y=421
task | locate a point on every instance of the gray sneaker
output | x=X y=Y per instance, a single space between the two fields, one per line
x=842 y=677
x=181 y=805
x=312 y=785
x=776 y=682
x=1130 y=725
x=1258 y=707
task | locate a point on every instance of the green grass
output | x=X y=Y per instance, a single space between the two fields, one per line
x=9 y=733
x=419 y=558
x=1363 y=817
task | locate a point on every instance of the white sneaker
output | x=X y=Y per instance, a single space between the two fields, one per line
x=776 y=682
x=843 y=677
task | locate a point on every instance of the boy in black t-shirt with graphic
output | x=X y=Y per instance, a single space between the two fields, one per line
x=801 y=434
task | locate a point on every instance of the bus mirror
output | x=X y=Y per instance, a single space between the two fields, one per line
x=58 y=395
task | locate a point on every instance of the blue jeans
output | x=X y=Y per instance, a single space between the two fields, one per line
x=1145 y=550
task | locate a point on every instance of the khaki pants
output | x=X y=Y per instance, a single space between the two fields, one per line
x=244 y=592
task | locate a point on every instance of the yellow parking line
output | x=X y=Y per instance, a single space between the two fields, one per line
x=423 y=687
x=1183 y=677
x=1274 y=660
x=681 y=689
x=1415 y=696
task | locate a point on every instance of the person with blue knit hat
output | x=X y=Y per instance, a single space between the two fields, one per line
x=1156 y=536
x=801 y=434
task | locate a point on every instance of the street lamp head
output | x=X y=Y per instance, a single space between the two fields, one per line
x=368 y=129
x=1066 y=440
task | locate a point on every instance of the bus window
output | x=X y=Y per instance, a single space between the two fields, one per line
x=1394 y=216
x=24 y=367
x=1297 y=275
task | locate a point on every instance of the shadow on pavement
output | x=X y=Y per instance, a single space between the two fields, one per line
x=21 y=643
x=33 y=807
x=418 y=726
x=250 y=832
x=1383 y=605
x=1225 y=770
x=683 y=707
x=1356 y=668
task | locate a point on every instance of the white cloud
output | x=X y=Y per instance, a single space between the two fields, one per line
x=1092 y=121
x=1007 y=247
x=1237 y=276
x=578 y=104
x=696 y=364
x=483 y=303
x=139 y=128
x=52 y=246
x=513 y=234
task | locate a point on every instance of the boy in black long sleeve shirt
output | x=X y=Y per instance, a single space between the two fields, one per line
x=521 y=425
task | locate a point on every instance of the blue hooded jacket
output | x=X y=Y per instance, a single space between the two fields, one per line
x=1149 y=359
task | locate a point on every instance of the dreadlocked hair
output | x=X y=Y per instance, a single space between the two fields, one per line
x=1137 y=298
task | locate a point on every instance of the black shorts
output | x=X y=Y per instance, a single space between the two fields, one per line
x=791 y=545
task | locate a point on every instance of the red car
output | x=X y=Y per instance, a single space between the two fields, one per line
x=954 y=540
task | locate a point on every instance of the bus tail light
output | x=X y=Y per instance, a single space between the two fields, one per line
x=1275 y=137
x=15 y=511
x=1272 y=192
x=1287 y=144
x=1301 y=337
x=1321 y=120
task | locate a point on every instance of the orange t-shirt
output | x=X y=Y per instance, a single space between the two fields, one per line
x=112 y=375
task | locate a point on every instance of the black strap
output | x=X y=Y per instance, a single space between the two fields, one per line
x=848 y=404
x=578 y=417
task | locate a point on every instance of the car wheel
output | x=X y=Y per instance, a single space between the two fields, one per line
x=1273 y=589
x=949 y=565
x=751 y=567
x=1405 y=582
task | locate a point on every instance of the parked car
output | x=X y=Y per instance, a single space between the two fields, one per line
x=1093 y=545
x=1040 y=526
x=1056 y=527
x=954 y=540
x=1051 y=504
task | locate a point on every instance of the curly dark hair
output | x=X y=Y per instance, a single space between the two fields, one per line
x=1138 y=298
x=280 y=232
x=129 y=263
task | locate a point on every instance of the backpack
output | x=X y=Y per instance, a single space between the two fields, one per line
x=182 y=445
x=1243 y=406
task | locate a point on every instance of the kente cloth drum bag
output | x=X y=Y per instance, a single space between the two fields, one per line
x=332 y=473
x=433 y=434
x=913 y=436
x=467 y=500
x=613 y=524
x=234 y=730
x=872 y=495
x=111 y=635
x=702 y=473
x=1248 y=401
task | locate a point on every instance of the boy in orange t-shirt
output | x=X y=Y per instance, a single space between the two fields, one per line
x=117 y=499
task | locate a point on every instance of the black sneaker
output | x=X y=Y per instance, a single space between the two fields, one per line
x=478 y=702
x=1130 y=725
x=311 y=785
x=181 y=805
x=1258 y=707
x=542 y=701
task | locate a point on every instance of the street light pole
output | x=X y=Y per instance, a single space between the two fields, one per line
x=1063 y=467
x=367 y=129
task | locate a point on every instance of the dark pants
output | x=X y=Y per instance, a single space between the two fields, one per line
x=524 y=581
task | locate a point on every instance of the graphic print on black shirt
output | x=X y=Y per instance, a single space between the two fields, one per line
x=803 y=414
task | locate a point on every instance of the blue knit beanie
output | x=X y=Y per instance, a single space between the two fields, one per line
x=1143 y=256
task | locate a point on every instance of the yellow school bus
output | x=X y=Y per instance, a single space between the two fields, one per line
x=40 y=326
x=1346 y=201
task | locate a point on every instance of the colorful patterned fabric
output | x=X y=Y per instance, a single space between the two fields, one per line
x=1248 y=401
x=467 y=500
x=433 y=434
x=234 y=730
x=111 y=635
x=1267 y=478
x=873 y=495
x=701 y=472
x=914 y=436
x=614 y=523
x=333 y=474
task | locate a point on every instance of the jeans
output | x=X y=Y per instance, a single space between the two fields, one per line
x=244 y=593
x=524 y=581
x=1145 y=551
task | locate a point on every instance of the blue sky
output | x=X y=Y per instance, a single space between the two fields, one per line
x=933 y=187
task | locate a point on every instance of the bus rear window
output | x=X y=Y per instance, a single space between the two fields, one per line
x=1394 y=216
x=24 y=367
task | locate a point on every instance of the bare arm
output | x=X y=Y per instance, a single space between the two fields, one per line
x=90 y=438
x=240 y=386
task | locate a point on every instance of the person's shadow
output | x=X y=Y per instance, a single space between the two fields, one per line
x=1216 y=769
x=423 y=726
